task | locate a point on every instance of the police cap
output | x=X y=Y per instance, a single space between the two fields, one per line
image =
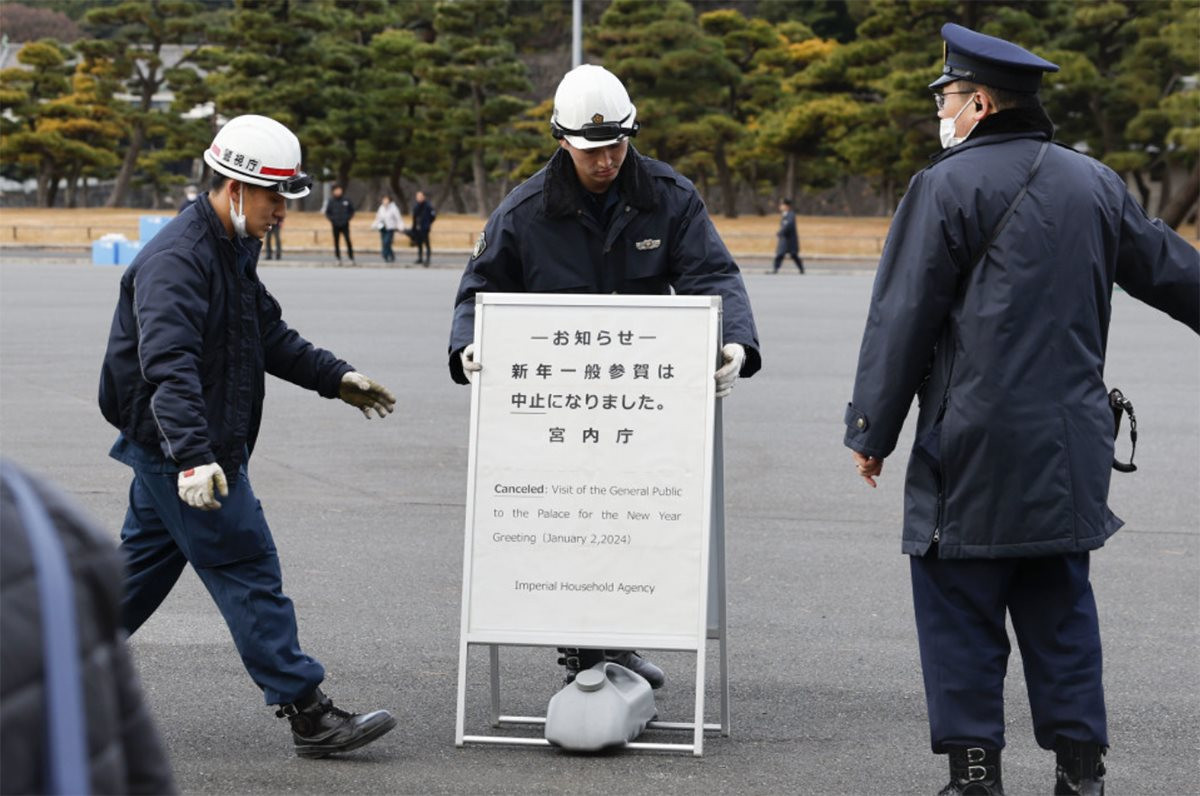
x=989 y=61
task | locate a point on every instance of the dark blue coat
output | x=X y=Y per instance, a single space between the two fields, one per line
x=543 y=239
x=423 y=215
x=789 y=239
x=1014 y=440
x=192 y=336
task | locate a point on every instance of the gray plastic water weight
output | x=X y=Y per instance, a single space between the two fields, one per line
x=607 y=705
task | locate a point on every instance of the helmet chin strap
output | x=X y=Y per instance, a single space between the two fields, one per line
x=237 y=216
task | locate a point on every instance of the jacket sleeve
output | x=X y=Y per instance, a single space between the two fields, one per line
x=292 y=358
x=1156 y=265
x=702 y=266
x=913 y=294
x=170 y=300
x=494 y=267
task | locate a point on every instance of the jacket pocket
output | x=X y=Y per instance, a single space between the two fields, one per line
x=236 y=532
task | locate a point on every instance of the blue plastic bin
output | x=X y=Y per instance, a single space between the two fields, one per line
x=104 y=252
x=127 y=250
x=148 y=226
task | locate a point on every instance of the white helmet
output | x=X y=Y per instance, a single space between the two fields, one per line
x=592 y=109
x=259 y=151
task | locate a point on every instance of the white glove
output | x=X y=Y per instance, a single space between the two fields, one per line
x=469 y=363
x=357 y=390
x=732 y=357
x=197 y=486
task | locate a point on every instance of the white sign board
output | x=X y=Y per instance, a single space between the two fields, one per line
x=590 y=474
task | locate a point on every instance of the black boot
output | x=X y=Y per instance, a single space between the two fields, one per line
x=320 y=729
x=973 y=772
x=575 y=660
x=636 y=663
x=1080 y=768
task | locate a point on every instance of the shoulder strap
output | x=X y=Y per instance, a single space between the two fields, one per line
x=66 y=744
x=1012 y=208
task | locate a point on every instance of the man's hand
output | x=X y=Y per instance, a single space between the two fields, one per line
x=732 y=357
x=197 y=486
x=469 y=363
x=868 y=467
x=357 y=390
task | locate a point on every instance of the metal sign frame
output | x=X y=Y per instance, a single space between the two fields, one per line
x=710 y=620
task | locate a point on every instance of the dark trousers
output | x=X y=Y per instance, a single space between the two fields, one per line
x=960 y=609
x=385 y=245
x=273 y=234
x=342 y=231
x=796 y=259
x=421 y=238
x=233 y=554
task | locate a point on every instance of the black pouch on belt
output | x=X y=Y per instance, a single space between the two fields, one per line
x=1121 y=405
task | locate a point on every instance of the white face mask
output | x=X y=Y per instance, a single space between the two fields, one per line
x=237 y=216
x=946 y=129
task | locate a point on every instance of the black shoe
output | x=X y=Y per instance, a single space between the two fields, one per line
x=1080 y=768
x=320 y=729
x=973 y=772
x=654 y=675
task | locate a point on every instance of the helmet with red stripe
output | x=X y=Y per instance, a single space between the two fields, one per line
x=259 y=151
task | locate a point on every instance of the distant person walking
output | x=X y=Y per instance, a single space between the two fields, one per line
x=189 y=197
x=423 y=215
x=789 y=239
x=274 y=242
x=339 y=210
x=387 y=221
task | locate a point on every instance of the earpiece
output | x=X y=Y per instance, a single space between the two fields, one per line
x=978 y=107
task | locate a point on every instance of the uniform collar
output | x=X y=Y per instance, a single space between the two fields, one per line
x=563 y=195
x=1011 y=123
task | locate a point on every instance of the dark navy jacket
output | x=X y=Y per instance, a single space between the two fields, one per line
x=423 y=215
x=339 y=211
x=543 y=239
x=1014 y=440
x=192 y=336
x=789 y=240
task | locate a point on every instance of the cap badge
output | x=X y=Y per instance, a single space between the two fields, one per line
x=597 y=118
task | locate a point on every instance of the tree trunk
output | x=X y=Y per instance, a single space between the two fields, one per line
x=1142 y=187
x=725 y=178
x=43 y=185
x=789 y=178
x=121 y=187
x=1175 y=210
x=477 y=165
x=73 y=189
x=52 y=187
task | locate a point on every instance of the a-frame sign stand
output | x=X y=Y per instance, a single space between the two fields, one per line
x=710 y=596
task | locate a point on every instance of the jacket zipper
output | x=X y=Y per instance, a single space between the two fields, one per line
x=937 y=523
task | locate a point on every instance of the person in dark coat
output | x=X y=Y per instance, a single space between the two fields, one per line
x=122 y=751
x=339 y=210
x=992 y=304
x=789 y=239
x=602 y=218
x=423 y=216
x=194 y=334
x=189 y=197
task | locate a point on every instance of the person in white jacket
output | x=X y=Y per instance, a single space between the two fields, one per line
x=387 y=220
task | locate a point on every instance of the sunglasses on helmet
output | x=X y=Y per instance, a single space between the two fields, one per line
x=292 y=184
x=603 y=131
